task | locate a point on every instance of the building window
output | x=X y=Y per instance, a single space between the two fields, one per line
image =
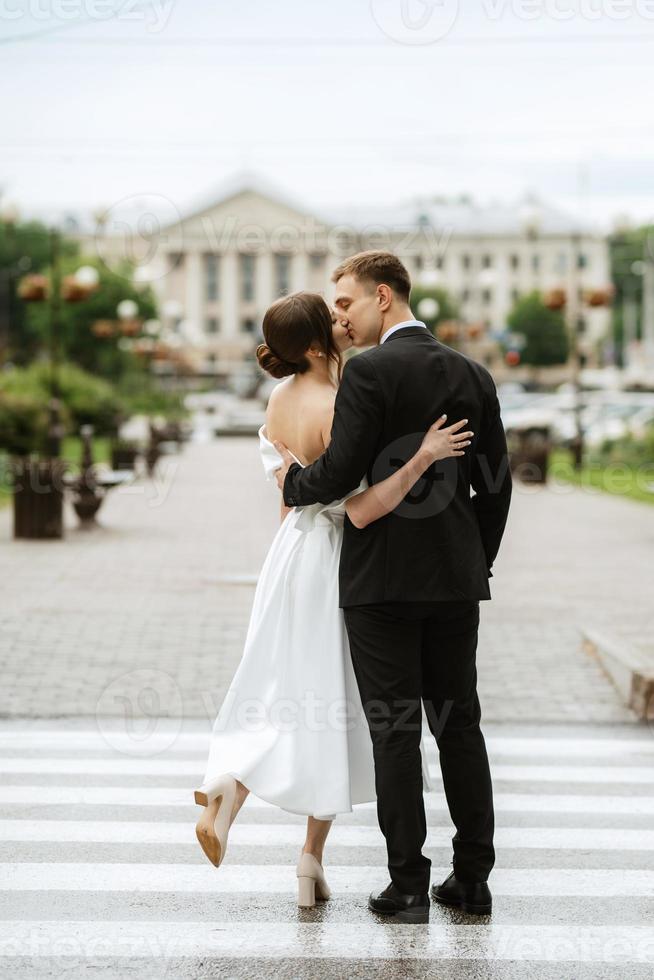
x=440 y=262
x=514 y=261
x=212 y=324
x=419 y=263
x=316 y=261
x=247 y=266
x=486 y=261
x=465 y=295
x=535 y=262
x=466 y=261
x=248 y=325
x=515 y=295
x=282 y=275
x=211 y=274
x=582 y=261
x=487 y=296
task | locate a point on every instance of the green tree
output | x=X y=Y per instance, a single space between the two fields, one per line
x=447 y=308
x=627 y=249
x=24 y=248
x=545 y=335
x=79 y=344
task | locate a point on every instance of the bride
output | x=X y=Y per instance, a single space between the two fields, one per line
x=291 y=728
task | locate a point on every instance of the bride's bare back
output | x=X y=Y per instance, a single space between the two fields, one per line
x=299 y=414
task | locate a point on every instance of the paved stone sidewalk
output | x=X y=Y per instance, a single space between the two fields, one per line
x=153 y=605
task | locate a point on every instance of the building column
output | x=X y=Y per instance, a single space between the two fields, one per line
x=501 y=290
x=299 y=272
x=193 y=293
x=264 y=283
x=229 y=325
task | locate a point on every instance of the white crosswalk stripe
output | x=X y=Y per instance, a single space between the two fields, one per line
x=277 y=879
x=184 y=767
x=175 y=797
x=266 y=835
x=573 y=881
x=550 y=944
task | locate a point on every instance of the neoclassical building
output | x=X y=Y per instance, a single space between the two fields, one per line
x=215 y=270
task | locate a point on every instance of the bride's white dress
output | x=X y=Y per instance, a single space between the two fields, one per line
x=292 y=727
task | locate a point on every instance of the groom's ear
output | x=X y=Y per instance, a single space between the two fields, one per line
x=384 y=296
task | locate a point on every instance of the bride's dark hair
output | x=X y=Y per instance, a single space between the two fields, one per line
x=291 y=325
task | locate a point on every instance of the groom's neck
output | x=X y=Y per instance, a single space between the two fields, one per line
x=394 y=316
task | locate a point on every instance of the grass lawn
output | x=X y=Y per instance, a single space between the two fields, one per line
x=619 y=479
x=72 y=449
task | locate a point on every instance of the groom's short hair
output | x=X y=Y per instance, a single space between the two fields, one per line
x=378 y=268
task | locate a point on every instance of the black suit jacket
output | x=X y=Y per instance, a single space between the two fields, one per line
x=440 y=542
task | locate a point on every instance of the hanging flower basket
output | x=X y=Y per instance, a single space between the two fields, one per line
x=447 y=331
x=33 y=288
x=555 y=299
x=131 y=327
x=103 y=328
x=72 y=291
x=599 y=297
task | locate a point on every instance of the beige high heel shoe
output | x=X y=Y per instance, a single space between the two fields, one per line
x=311 y=882
x=212 y=834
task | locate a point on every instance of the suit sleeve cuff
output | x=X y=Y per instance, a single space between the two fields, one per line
x=289 y=497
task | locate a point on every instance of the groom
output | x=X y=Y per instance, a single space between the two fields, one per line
x=410 y=583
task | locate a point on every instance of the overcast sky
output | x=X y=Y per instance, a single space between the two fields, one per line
x=343 y=101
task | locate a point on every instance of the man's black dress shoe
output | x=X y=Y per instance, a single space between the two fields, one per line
x=400 y=907
x=472 y=897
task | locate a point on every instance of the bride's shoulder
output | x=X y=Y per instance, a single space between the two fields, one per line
x=280 y=402
x=280 y=391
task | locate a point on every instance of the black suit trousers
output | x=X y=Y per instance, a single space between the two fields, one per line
x=403 y=652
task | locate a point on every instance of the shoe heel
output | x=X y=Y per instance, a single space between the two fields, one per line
x=415 y=918
x=210 y=790
x=306 y=892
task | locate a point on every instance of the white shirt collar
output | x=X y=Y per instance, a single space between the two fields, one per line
x=400 y=326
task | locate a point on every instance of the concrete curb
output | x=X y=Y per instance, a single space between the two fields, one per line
x=630 y=669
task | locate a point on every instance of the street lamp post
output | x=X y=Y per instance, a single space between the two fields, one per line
x=429 y=308
x=55 y=429
x=72 y=289
x=578 y=325
x=648 y=308
x=630 y=313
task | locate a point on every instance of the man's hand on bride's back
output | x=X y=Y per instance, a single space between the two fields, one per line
x=441 y=443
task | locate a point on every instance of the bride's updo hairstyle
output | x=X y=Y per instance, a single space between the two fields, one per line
x=291 y=325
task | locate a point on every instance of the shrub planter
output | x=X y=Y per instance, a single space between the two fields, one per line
x=38 y=497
